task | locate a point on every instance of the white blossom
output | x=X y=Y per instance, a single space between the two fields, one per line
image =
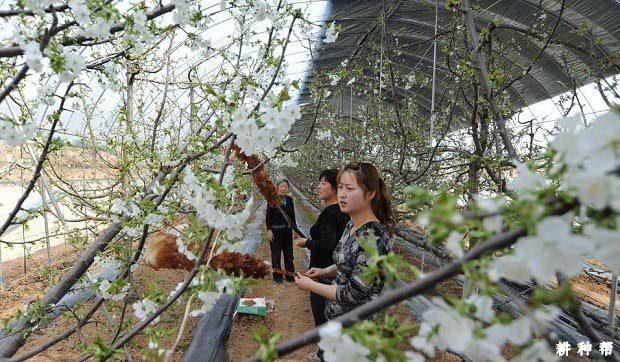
x=132 y=232
x=421 y=342
x=99 y=30
x=527 y=180
x=208 y=301
x=153 y=219
x=454 y=330
x=414 y=357
x=182 y=12
x=104 y=289
x=606 y=245
x=144 y=308
x=162 y=353
x=340 y=347
x=46 y=94
x=323 y=135
x=74 y=64
x=139 y=22
x=33 y=55
x=176 y=289
x=277 y=124
x=519 y=331
x=484 y=350
x=80 y=11
x=334 y=78
x=225 y=285
x=260 y=10
x=183 y=249
x=331 y=34
x=595 y=190
x=484 y=307
x=15 y=135
x=453 y=244
x=37 y=6
x=539 y=351
x=492 y=223
x=554 y=248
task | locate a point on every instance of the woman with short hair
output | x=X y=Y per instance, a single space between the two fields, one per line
x=324 y=236
x=280 y=233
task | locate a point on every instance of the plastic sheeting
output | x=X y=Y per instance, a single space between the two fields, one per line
x=411 y=22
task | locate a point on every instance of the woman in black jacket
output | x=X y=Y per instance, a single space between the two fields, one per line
x=280 y=233
x=324 y=236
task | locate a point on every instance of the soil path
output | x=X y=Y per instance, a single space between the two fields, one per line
x=291 y=315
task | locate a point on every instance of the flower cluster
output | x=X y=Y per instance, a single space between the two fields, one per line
x=34 y=56
x=15 y=135
x=338 y=346
x=80 y=11
x=203 y=198
x=99 y=30
x=592 y=158
x=209 y=298
x=124 y=209
x=445 y=327
x=554 y=248
x=144 y=308
x=276 y=124
x=114 y=291
x=73 y=65
x=155 y=353
x=184 y=250
x=46 y=94
x=322 y=135
x=182 y=12
x=586 y=164
x=331 y=34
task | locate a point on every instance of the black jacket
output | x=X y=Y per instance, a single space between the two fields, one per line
x=325 y=235
x=275 y=218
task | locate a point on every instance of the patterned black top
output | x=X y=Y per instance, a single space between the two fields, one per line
x=350 y=257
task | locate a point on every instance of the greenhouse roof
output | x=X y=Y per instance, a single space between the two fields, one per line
x=564 y=64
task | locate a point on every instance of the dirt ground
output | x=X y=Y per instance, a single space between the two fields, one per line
x=291 y=315
x=22 y=287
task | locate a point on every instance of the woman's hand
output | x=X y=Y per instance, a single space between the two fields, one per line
x=270 y=235
x=303 y=282
x=301 y=242
x=315 y=273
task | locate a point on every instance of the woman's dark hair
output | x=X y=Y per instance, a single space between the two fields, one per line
x=331 y=176
x=368 y=178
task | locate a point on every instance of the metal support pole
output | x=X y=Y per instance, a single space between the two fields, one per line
x=47 y=228
x=612 y=303
x=422 y=263
x=1 y=273
x=430 y=135
x=48 y=190
x=24 y=245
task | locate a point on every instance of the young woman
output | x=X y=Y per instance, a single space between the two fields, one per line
x=324 y=236
x=280 y=234
x=363 y=195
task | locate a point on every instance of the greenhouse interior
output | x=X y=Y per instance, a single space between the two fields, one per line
x=262 y=180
